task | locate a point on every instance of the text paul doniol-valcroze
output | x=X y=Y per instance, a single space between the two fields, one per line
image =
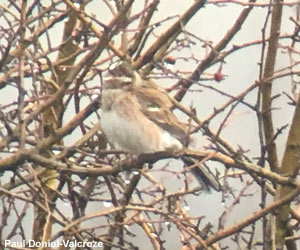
x=65 y=243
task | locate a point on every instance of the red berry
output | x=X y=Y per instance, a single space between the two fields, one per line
x=219 y=76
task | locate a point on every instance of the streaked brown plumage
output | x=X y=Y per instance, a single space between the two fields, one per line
x=137 y=117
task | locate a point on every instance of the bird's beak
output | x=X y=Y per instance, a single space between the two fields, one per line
x=136 y=79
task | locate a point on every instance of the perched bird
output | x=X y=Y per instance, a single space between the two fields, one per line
x=137 y=118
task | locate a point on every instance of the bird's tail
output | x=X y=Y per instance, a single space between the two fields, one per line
x=205 y=177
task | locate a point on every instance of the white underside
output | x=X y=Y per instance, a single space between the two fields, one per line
x=127 y=136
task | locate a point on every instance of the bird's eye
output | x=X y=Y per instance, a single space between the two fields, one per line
x=126 y=83
x=117 y=82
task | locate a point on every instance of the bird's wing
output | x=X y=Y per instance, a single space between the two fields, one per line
x=156 y=105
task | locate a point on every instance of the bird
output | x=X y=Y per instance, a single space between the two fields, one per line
x=137 y=118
